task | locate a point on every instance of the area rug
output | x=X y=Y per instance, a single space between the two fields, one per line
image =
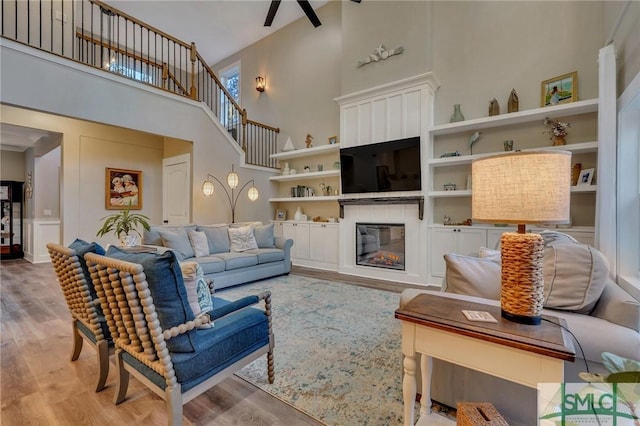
x=337 y=350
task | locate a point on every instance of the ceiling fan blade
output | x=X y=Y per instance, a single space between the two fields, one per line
x=275 y=4
x=356 y=1
x=308 y=10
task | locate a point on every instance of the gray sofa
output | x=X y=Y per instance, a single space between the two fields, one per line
x=229 y=254
x=610 y=324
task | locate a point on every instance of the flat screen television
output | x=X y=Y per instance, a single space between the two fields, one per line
x=381 y=167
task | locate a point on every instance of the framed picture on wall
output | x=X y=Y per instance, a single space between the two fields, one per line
x=121 y=188
x=560 y=90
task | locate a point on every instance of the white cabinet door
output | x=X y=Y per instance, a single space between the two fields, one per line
x=299 y=233
x=302 y=240
x=442 y=241
x=323 y=243
x=466 y=241
x=470 y=241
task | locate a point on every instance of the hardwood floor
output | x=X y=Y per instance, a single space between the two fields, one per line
x=39 y=385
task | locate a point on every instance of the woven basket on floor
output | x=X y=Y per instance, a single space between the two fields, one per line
x=478 y=414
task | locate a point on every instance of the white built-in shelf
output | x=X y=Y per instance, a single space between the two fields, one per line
x=575 y=148
x=573 y=108
x=304 y=199
x=584 y=188
x=307 y=175
x=306 y=152
x=467 y=192
x=450 y=194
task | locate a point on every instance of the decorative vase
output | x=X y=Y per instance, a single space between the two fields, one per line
x=457 y=114
x=559 y=140
x=575 y=173
x=298 y=215
x=128 y=240
x=285 y=169
x=513 y=103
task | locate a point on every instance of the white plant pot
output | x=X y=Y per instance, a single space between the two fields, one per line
x=128 y=240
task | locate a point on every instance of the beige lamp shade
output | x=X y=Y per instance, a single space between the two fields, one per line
x=253 y=193
x=207 y=188
x=522 y=187
x=232 y=179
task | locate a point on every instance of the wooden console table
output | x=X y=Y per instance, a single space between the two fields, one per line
x=434 y=326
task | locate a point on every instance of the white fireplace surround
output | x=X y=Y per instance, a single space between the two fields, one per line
x=415 y=241
x=392 y=111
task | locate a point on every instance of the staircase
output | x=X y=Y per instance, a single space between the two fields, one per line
x=102 y=37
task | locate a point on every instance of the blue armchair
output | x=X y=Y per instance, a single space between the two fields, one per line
x=161 y=342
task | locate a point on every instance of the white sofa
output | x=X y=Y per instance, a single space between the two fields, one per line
x=611 y=325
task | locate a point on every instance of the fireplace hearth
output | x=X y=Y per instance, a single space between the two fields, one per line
x=380 y=245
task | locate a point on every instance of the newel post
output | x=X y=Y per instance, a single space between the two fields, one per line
x=165 y=74
x=244 y=130
x=194 y=54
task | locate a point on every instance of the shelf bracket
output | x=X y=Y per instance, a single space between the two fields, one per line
x=419 y=200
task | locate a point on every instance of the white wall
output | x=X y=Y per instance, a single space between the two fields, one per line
x=100 y=97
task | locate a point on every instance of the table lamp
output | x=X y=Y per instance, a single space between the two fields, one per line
x=531 y=187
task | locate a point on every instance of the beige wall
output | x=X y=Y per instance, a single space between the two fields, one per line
x=89 y=148
x=483 y=49
x=392 y=23
x=12 y=165
x=626 y=39
x=302 y=70
x=46 y=186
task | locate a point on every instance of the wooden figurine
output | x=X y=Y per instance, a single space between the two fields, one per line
x=512 y=104
x=494 y=107
x=309 y=140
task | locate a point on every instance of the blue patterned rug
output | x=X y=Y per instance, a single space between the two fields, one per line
x=337 y=350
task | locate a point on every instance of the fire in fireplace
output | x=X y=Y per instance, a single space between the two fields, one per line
x=380 y=245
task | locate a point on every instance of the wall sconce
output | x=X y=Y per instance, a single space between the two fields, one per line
x=260 y=84
x=233 y=180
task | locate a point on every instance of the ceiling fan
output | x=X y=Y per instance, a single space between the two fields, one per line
x=304 y=4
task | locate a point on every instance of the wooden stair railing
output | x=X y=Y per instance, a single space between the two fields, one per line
x=97 y=34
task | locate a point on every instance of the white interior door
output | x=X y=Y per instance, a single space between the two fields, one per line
x=176 y=190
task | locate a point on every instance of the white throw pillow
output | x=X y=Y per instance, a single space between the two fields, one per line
x=473 y=276
x=199 y=243
x=198 y=292
x=487 y=253
x=242 y=239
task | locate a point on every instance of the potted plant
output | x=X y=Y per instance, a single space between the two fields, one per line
x=124 y=226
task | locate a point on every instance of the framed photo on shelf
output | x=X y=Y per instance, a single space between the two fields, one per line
x=281 y=214
x=333 y=140
x=586 y=176
x=122 y=187
x=560 y=90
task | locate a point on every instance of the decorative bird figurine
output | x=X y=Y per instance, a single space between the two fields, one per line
x=473 y=139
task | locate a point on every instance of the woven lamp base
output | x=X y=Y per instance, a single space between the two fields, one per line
x=522 y=291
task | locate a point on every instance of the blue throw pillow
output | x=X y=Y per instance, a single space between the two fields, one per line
x=265 y=236
x=168 y=292
x=82 y=247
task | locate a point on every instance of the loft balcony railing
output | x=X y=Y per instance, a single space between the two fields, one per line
x=98 y=35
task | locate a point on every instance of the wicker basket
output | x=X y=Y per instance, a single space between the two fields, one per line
x=478 y=414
